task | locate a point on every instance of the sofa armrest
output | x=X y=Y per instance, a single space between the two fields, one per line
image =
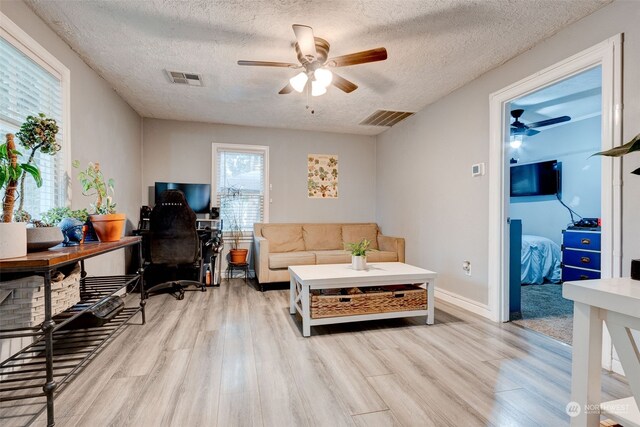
x=392 y=244
x=261 y=258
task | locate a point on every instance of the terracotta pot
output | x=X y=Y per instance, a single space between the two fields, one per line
x=238 y=256
x=108 y=227
x=13 y=241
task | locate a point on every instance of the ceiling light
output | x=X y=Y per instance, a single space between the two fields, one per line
x=516 y=141
x=323 y=76
x=317 y=88
x=299 y=81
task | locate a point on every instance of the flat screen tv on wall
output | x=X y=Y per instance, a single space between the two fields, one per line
x=536 y=179
x=198 y=195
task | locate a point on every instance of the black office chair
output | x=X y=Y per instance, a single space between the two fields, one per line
x=174 y=241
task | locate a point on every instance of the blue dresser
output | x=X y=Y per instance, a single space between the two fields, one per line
x=580 y=254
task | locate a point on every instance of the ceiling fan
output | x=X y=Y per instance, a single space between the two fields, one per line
x=312 y=55
x=519 y=128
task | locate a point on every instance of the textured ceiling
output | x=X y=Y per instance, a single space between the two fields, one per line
x=434 y=47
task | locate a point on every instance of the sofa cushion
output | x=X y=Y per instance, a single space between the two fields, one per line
x=333 y=257
x=382 y=256
x=319 y=237
x=353 y=233
x=284 y=237
x=285 y=259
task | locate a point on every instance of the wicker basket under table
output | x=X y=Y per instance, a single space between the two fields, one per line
x=389 y=299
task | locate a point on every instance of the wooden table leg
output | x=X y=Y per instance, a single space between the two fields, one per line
x=292 y=296
x=586 y=366
x=431 y=301
x=306 y=309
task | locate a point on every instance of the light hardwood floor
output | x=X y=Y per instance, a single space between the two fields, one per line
x=233 y=356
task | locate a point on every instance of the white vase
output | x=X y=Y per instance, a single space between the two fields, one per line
x=13 y=239
x=359 y=262
x=43 y=238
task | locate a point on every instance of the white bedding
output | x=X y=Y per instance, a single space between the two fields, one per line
x=540 y=260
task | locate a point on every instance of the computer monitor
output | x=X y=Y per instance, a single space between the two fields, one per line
x=198 y=195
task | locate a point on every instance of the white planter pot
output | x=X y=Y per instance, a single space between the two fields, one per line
x=13 y=239
x=43 y=238
x=359 y=262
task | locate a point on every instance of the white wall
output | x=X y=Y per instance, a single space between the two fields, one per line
x=572 y=144
x=181 y=152
x=103 y=128
x=425 y=191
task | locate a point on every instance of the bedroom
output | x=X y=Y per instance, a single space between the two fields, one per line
x=555 y=193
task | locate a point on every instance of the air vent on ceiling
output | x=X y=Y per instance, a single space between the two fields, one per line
x=190 y=79
x=385 y=118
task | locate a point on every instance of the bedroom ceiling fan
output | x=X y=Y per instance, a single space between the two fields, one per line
x=313 y=59
x=519 y=128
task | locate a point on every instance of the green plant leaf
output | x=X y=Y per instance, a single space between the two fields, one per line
x=636 y=172
x=75 y=163
x=34 y=172
x=629 y=147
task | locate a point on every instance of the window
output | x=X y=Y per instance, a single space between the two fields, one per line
x=32 y=82
x=240 y=184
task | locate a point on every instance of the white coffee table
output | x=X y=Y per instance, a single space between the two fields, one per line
x=304 y=278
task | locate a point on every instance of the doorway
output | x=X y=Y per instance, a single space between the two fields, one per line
x=554 y=199
x=608 y=55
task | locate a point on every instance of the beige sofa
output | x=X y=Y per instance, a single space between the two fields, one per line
x=278 y=246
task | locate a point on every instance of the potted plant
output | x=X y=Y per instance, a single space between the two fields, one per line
x=14 y=234
x=358 y=253
x=107 y=223
x=70 y=222
x=37 y=134
x=232 y=203
x=623 y=150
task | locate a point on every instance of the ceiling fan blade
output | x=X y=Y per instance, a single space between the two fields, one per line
x=306 y=41
x=531 y=132
x=268 y=64
x=343 y=84
x=372 y=55
x=549 y=122
x=287 y=89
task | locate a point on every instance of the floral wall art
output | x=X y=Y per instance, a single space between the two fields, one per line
x=322 y=176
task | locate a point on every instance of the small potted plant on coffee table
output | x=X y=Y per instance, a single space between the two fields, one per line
x=358 y=253
x=107 y=223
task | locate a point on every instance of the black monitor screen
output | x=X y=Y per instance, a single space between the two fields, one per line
x=535 y=179
x=198 y=195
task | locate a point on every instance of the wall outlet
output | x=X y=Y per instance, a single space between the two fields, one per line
x=466 y=267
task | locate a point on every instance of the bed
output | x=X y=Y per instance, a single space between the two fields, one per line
x=540 y=260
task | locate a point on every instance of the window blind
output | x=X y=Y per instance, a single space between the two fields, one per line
x=27 y=88
x=240 y=187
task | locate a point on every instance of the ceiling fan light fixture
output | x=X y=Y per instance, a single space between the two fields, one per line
x=299 y=81
x=317 y=88
x=516 y=141
x=323 y=76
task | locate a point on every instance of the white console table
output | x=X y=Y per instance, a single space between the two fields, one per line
x=617 y=303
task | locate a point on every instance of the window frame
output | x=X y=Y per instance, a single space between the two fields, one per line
x=241 y=148
x=26 y=44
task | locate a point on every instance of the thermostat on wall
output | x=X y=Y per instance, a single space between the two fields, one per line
x=477 y=169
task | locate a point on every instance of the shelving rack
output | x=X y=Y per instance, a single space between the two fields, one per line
x=56 y=354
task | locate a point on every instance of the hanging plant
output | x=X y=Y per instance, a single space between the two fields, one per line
x=36 y=134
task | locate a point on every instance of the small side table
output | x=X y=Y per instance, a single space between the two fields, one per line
x=243 y=266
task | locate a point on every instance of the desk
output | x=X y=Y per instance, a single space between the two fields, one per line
x=75 y=350
x=617 y=303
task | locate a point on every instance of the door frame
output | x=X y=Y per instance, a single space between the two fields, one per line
x=607 y=54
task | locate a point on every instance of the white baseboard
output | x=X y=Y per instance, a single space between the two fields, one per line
x=463 y=302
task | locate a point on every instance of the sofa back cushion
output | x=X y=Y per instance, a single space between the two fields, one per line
x=283 y=237
x=353 y=233
x=318 y=237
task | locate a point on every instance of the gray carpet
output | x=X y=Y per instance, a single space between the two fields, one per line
x=544 y=310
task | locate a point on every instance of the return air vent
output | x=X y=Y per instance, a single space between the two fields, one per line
x=190 y=79
x=385 y=118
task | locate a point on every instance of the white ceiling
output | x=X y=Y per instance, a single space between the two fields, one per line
x=433 y=46
x=578 y=97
